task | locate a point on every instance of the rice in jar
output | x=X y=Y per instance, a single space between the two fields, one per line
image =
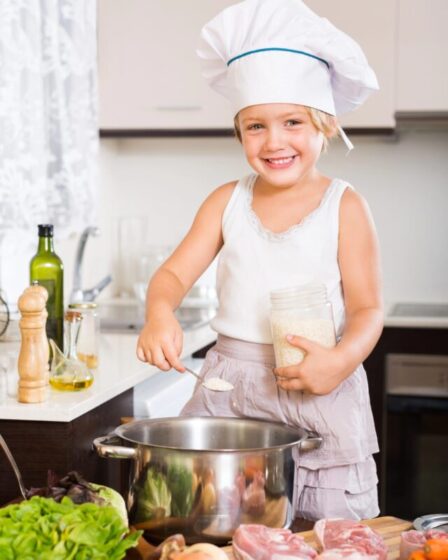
x=300 y=311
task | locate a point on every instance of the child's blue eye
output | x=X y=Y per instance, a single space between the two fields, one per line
x=255 y=126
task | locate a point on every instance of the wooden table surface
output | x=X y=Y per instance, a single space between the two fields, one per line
x=390 y=528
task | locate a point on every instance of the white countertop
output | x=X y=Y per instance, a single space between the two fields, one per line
x=119 y=370
x=417 y=321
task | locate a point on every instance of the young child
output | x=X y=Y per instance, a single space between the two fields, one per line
x=287 y=73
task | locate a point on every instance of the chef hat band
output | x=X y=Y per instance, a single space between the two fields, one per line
x=279 y=51
x=229 y=62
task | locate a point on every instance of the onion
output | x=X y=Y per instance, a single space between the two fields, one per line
x=202 y=551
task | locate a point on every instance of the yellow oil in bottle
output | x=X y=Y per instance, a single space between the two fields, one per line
x=68 y=372
x=72 y=385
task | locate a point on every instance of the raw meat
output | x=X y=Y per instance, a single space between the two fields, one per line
x=415 y=540
x=435 y=534
x=345 y=554
x=348 y=534
x=258 y=542
x=410 y=541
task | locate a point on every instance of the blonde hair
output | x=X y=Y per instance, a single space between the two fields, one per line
x=323 y=122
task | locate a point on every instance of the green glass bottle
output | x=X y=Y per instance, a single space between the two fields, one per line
x=47 y=270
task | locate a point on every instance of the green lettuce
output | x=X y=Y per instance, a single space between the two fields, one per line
x=41 y=528
x=112 y=498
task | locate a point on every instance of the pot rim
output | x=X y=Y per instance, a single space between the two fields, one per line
x=301 y=434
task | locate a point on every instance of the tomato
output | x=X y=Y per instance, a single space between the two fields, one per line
x=436 y=549
x=417 y=555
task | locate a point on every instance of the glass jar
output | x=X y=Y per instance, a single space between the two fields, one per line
x=301 y=311
x=88 y=338
x=67 y=371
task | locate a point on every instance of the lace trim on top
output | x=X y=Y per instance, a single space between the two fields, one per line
x=280 y=236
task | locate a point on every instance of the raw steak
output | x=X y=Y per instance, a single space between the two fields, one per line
x=410 y=541
x=347 y=534
x=415 y=540
x=258 y=542
x=345 y=554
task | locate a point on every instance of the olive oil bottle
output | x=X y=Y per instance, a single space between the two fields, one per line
x=47 y=270
x=68 y=372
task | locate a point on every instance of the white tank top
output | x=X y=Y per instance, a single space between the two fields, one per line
x=254 y=261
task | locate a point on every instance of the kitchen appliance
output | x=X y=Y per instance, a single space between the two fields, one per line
x=416 y=458
x=80 y=295
x=130 y=316
x=203 y=477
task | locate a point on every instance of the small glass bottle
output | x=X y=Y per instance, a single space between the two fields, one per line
x=47 y=270
x=68 y=372
x=301 y=311
x=88 y=339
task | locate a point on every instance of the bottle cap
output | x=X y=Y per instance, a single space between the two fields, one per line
x=45 y=230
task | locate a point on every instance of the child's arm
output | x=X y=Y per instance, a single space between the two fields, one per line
x=324 y=369
x=160 y=342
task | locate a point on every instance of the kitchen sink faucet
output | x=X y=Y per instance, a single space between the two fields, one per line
x=78 y=294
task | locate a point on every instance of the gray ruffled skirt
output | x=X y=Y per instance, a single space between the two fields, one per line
x=337 y=480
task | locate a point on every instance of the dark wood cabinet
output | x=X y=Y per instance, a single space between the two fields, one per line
x=396 y=340
x=62 y=447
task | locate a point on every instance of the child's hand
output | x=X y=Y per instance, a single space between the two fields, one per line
x=160 y=342
x=320 y=371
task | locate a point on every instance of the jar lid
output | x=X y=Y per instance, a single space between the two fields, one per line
x=73 y=316
x=305 y=294
x=83 y=305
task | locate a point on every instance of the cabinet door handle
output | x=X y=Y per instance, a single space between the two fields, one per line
x=178 y=108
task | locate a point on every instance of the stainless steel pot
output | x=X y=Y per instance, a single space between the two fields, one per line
x=203 y=477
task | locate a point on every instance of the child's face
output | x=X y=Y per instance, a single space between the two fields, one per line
x=281 y=143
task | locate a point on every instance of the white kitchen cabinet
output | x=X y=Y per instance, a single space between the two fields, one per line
x=373 y=26
x=422 y=73
x=149 y=74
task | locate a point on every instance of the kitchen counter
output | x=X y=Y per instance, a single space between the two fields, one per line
x=416 y=315
x=119 y=370
x=58 y=434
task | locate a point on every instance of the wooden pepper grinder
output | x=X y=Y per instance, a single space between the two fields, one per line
x=33 y=362
x=45 y=346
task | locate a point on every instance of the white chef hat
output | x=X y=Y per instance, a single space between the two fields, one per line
x=280 y=51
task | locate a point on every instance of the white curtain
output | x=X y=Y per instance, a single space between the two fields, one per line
x=48 y=115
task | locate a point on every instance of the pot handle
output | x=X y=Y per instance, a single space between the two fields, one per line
x=313 y=441
x=105 y=448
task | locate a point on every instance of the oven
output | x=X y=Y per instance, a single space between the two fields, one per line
x=416 y=435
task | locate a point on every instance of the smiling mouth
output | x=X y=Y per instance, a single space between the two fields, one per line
x=280 y=162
